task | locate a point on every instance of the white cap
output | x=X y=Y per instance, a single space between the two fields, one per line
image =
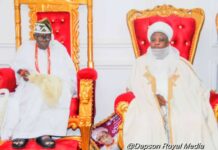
x=160 y=27
x=43 y=26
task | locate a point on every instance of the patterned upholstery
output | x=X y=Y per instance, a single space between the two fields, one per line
x=182 y=40
x=60 y=22
x=186 y=25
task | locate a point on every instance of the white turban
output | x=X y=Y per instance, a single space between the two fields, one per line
x=160 y=27
x=98 y=132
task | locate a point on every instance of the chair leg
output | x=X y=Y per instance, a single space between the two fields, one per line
x=85 y=137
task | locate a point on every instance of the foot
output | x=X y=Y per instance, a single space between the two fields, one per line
x=19 y=143
x=45 y=141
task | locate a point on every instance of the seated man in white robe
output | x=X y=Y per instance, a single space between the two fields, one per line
x=171 y=107
x=46 y=79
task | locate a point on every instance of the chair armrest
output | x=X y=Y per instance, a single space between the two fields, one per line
x=120 y=106
x=7 y=79
x=86 y=92
x=122 y=102
x=83 y=74
x=214 y=102
x=87 y=73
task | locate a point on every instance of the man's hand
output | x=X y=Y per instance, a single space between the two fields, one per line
x=24 y=74
x=161 y=100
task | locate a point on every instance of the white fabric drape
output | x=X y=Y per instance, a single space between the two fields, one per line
x=4 y=94
x=28 y=115
x=191 y=119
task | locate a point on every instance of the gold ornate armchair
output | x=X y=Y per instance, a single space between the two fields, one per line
x=186 y=23
x=64 y=17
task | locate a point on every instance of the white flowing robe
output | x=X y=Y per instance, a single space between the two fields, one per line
x=28 y=115
x=190 y=116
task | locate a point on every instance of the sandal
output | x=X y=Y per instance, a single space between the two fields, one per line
x=45 y=141
x=19 y=143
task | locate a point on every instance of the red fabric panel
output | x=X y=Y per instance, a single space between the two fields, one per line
x=183 y=28
x=125 y=97
x=7 y=79
x=213 y=98
x=74 y=107
x=60 y=22
x=61 y=144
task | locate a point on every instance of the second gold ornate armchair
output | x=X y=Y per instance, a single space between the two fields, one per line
x=64 y=17
x=186 y=23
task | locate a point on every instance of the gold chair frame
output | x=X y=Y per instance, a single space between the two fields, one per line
x=70 y=6
x=164 y=11
x=84 y=118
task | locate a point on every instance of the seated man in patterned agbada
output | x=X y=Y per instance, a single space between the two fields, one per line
x=46 y=80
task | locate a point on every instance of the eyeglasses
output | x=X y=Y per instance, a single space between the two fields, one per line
x=41 y=37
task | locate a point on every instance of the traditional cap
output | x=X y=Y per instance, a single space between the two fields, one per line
x=98 y=132
x=160 y=27
x=43 y=26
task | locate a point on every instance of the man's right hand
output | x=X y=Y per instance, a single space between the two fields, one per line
x=24 y=73
x=161 y=100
